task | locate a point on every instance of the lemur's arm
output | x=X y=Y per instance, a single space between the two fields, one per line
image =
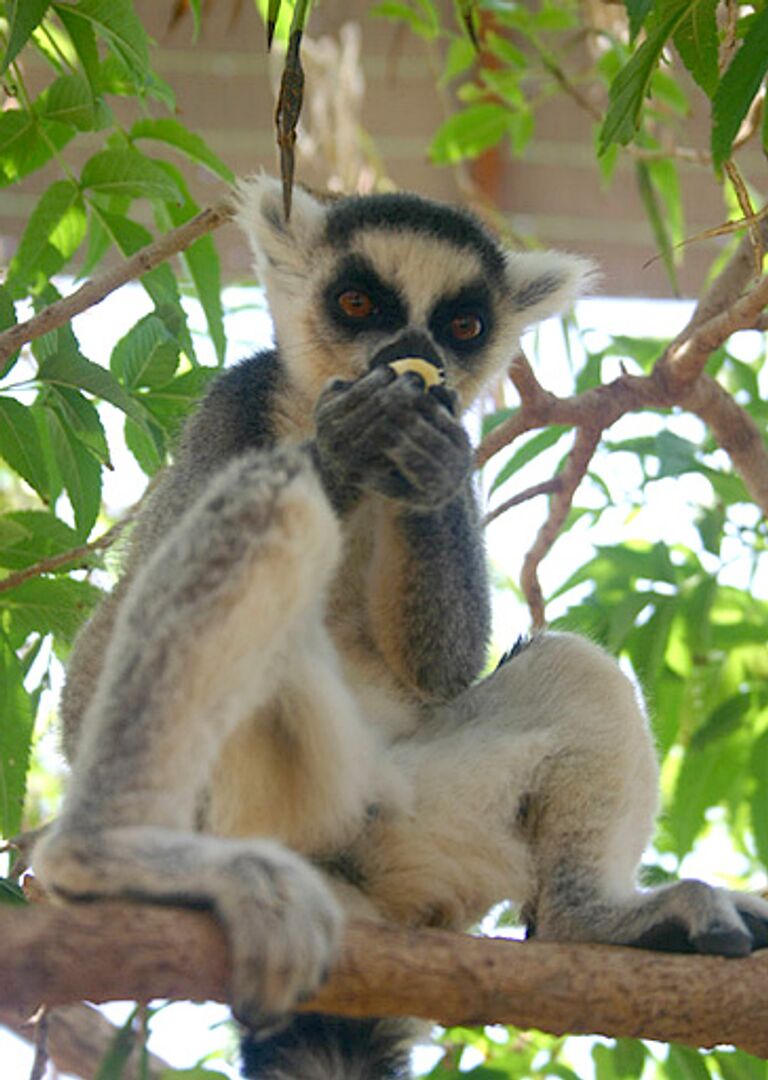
x=429 y=598
x=235 y=416
x=428 y=590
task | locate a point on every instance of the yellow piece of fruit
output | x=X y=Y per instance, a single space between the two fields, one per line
x=432 y=376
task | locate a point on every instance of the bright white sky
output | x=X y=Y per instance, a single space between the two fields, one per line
x=181 y=1033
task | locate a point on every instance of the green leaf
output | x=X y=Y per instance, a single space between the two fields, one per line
x=199 y=1072
x=112 y=1065
x=658 y=222
x=26 y=143
x=23 y=16
x=79 y=470
x=20 y=445
x=696 y=40
x=202 y=262
x=83 y=417
x=629 y=1058
x=70 y=101
x=15 y=738
x=194 y=6
x=71 y=369
x=7 y=319
x=467 y=133
x=648 y=645
x=637 y=11
x=738 y=87
x=160 y=283
x=147 y=444
x=460 y=57
x=506 y=51
x=706 y=778
x=492 y=420
x=630 y=86
x=758 y=804
x=738 y=1065
x=10 y=892
x=116 y=22
x=683 y=1063
x=424 y=23
x=54 y=231
x=49 y=606
x=172 y=133
x=665 y=177
x=127 y=172
x=146 y=356
x=28 y=536
x=722 y=721
x=83 y=40
x=527 y=452
x=170 y=405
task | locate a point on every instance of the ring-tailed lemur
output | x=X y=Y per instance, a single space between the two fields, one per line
x=276 y=712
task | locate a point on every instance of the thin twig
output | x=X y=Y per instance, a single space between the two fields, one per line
x=730 y=282
x=546 y=487
x=94 y=290
x=584 y=446
x=64 y=558
x=40 y=1063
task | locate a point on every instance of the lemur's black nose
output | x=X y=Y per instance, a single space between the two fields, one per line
x=412 y=343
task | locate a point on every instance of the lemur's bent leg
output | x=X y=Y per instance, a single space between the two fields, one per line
x=207 y=631
x=539 y=785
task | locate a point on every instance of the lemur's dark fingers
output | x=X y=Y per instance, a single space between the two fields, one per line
x=352 y=395
x=433 y=467
x=351 y=407
x=384 y=478
x=449 y=399
x=423 y=443
x=405 y=397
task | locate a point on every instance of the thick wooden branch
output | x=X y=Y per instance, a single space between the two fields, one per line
x=112 y=950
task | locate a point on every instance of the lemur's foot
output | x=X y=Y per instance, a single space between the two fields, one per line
x=687 y=917
x=702 y=919
x=284 y=929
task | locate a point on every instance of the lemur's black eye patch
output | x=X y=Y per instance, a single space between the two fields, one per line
x=358 y=301
x=463 y=322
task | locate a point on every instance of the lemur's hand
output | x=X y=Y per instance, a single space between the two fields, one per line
x=385 y=433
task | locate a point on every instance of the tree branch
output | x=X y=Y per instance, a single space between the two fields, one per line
x=569 y=479
x=78 y=555
x=94 y=290
x=110 y=950
x=677 y=379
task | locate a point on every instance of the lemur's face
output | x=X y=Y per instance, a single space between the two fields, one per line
x=364 y=281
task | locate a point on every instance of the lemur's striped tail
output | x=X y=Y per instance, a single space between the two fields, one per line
x=317 y=1047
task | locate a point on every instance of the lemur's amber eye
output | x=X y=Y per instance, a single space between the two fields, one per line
x=355 y=304
x=466 y=327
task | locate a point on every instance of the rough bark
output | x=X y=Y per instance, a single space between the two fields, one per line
x=59 y=955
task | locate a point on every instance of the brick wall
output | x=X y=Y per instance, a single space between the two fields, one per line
x=225 y=85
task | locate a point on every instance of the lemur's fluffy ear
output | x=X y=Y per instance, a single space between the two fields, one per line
x=543 y=283
x=278 y=246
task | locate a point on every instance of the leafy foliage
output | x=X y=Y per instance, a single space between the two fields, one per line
x=53 y=440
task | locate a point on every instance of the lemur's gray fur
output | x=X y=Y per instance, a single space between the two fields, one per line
x=276 y=713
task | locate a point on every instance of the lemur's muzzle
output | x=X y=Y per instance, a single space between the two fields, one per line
x=414 y=345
